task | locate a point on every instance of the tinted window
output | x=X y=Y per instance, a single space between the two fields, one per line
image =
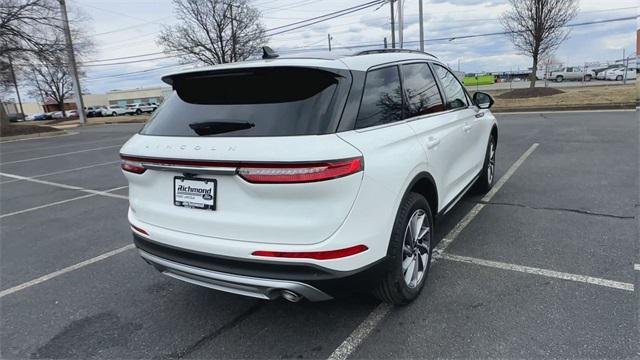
x=251 y=102
x=422 y=92
x=451 y=87
x=382 y=98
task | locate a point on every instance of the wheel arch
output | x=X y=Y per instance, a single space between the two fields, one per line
x=424 y=184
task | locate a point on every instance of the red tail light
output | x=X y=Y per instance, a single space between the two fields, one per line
x=132 y=166
x=299 y=173
x=260 y=173
x=316 y=255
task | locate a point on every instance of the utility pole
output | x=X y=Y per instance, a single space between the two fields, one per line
x=393 y=26
x=385 y=42
x=329 y=40
x=624 y=63
x=72 y=63
x=400 y=24
x=422 y=30
x=15 y=84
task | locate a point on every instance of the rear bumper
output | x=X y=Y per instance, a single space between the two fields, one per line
x=259 y=279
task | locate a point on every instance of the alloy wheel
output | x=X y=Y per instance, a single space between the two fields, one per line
x=416 y=248
x=492 y=163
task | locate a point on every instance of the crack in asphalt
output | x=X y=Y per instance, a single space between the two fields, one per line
x=219 y=331
x=577 y=211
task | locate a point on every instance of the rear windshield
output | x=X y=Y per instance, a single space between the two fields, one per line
x=282 y=101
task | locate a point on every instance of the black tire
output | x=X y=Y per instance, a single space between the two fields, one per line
x=619 y=78
x=488 y=173
x=559 y=78
x=393 y=288
x=114 y=114
x=138 y=112
x=587 y=78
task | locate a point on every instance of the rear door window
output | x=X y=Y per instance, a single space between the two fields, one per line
x=382 y=98
x=453 y=90
x=423 y=96
x=278 y=101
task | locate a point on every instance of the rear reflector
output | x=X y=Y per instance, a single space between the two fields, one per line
x=300 y=173
x=137 y=229
x=316 y=255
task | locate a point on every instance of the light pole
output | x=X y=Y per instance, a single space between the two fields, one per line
x=422 y=30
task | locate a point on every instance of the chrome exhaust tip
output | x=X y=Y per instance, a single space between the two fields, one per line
x=291 y=296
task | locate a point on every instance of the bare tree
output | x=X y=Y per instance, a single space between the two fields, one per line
x=213 y=31
x=24 y=23
x=538 y=27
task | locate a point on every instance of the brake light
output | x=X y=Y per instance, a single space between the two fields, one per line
x=316 y=255
x=132 y=166
x=299 y=173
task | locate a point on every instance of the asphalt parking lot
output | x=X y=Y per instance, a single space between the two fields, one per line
x=542 y=267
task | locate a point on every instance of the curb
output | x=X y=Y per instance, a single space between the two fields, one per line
x=623 y=106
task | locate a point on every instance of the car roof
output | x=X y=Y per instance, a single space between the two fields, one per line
x=340 y=60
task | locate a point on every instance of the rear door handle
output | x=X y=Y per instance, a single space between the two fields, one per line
x=432 y=142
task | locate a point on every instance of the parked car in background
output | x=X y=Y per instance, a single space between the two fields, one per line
x=15 y=117
x=139 y=108
x=618 y=74
x=575 y=73
x=39 y=116
x=113 y=110
x=72 y=114
x=57 y=115
x=93 y=111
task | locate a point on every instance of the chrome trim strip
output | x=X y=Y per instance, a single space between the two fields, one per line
x=209 y=170
x=237 y=284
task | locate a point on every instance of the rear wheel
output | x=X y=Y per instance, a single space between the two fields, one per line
x=409 y=253
x=559 y=78
x=485 y=181
x=587 y=78
x=138 y=112
x=114 y=114
x=619 y=78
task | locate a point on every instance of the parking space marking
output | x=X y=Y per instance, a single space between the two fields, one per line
x=448 y=239
x=61 y=154
x=539 y=271
x=353 y=341
x=65 y=186
x=63 y=171
x=65 y=201
x=54 y=274
x=65 y=145
x=40 y=137
x=636 y=267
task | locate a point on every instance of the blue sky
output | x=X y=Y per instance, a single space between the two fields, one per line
x=125 y=28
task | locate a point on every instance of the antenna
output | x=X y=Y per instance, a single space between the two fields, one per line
x=268 y=53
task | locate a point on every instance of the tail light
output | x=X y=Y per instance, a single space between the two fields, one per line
x=139 y=230
x=299 y=173
x=316 y=255
x=132 y=166
x=259 y=173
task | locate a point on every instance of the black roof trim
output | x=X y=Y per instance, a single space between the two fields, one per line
x=390 y=50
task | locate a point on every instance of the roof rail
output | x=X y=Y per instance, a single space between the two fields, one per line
x=392 y=50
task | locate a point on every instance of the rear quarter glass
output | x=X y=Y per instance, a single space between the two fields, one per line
x=278 y=101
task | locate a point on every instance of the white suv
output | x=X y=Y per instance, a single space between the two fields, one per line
x=139 y=108
x=307 y=177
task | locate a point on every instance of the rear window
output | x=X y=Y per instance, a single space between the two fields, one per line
x=283 y=101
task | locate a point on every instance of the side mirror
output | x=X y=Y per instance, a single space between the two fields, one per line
x=483 y=100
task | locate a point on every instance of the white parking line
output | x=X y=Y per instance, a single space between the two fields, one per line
x=40 y=137
x=64 y=145
x=66 y=201
x=636 y=267
x=540 y=271
x=63 y=171
x=61 y=154
x=54 y=274
x=448 y=239
x=64 y=186
x=351 y=343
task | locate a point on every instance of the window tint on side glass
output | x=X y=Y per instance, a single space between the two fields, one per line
x=382 y=98
x=451 y=87
x=422 y=92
